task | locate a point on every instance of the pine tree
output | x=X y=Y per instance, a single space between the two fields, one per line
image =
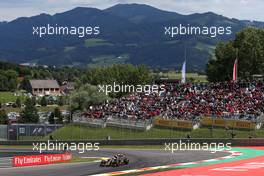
x=43 y=101
x=58 y=116
x=30 y=113
x=18 y=102
x=3 y=117
x=51 y=118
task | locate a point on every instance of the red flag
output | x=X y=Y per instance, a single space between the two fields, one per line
x=235 y=71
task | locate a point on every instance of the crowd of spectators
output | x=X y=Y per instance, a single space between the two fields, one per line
x=243 y=100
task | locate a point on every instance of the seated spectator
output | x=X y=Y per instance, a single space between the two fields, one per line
x=243 y=100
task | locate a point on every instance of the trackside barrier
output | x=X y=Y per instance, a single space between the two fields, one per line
x=226 y=123
x=188 y=125
x=42 y=159
x=91 y=122
x=15 y=131
x=3 y=132
x=143 y=125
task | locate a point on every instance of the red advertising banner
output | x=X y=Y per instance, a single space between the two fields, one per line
x=42 y=159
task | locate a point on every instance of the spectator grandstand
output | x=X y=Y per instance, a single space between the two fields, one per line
x=242 y=101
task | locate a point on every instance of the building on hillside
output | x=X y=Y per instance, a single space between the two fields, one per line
x=67 y=87
x=44 y=87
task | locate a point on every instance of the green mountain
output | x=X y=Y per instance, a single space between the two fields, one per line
x=129 y=33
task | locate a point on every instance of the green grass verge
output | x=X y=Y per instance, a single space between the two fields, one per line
x=72 y=132
x=79 y=132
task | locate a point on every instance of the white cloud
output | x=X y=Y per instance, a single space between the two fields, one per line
x=241 y=9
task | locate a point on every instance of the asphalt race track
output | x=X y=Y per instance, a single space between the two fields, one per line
x=138 y=159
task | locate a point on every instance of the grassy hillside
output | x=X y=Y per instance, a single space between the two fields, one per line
x=106 y=60
x=96 y=42
x=6 y=97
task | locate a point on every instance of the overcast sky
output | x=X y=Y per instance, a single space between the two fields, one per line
x=241 y=9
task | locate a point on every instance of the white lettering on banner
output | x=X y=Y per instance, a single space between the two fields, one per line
x=19 y=161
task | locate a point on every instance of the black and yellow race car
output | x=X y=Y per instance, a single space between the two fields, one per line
x=117 y=160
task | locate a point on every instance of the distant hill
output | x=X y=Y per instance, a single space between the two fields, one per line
x=129 y=33
x=139 y=13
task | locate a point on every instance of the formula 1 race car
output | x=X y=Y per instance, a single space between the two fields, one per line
x=117 y=160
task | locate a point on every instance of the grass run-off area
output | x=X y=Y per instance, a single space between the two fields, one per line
x=79 y=132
